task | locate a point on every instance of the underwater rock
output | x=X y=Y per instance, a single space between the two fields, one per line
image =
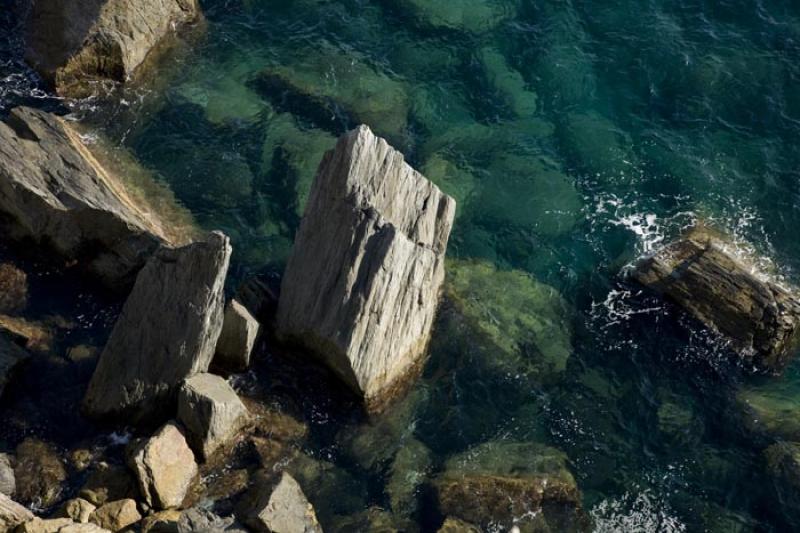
x=116 y=516
x=13 y=289
x=164 y=466
x=509 y=483
x=77 y=509
x=53 y=191
x=211 y=412
x=8 y=482
x=167 y=331
x=783 y=464
x=39 y=473
x=108 y=482
x=161 y=522
x=75 y=45
x=323 y=481
x=11 y=355
x=452 y=179
x=12 y=514
x=601 y=148
x=771 y=409
x=408 y=472
x=237 y=339
x=508 y=83
x=703 y=275
x=199 y=520
x=281 y=508
x=474 y=16
x=522 y=325
x=454 y=525
x=373 y=519
x=362 y=283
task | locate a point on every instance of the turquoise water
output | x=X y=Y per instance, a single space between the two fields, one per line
x=576 y=136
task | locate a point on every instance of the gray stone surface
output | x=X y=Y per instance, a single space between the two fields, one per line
x=164 y=466
x=702 y=273
x=73 y=43
x=362 y=284
x=167 y=332
x=8 y=483
x=12 y=514
x=239 y=334
x=211 y=412
x=199 y=520
x=282 y=508
x=54 y=192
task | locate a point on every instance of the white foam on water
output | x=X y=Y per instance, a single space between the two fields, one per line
x=641 y=512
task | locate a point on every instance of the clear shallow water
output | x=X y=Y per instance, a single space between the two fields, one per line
x=576 y=136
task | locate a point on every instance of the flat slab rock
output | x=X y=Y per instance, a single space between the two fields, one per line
x=701 y=273
x=73 y=44
x=362 y=284
x=53 y=191
x=167 y=331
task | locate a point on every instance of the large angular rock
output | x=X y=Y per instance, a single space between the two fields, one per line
x=167 y=331
x=211 y=412
x=8 y=482
x=117 y=515
x=239 y=333
x=363 y=281
x=703 y=275
x=281 y=508
x=12 y=514
x=164 y=466
x=73 y=44
x=53 y=191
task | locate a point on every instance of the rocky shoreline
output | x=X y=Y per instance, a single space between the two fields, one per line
x=357 y=304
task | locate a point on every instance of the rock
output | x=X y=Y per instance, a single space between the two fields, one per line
x=77 y=509
x=702 y=273
x=54 y=191
x=164 y=466
x=108 y=483
x=12 y=514
x=166 y=332
x=39 y=472
x=362 y=283
x=198 y=520
x=474 y=16
x=34 y=336
x=508 y=483
x=373 y=519
x=454 y=525
x=81 y=353
x=8 y=483
x=238 y=337
x=211 y=412
x=259 y=295
x=282 y=508
x=409 y=470
x=11 y=357
x=117 y=515
x=75 y=46
x=783 y=464
x=162 y=522
x=13 y=288
x=83 y=528
x=38 y=525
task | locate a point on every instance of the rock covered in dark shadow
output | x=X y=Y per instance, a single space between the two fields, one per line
x=167 y=331
x=279 y=506
x=702 y=273
x=54 y=192
x=73 y=44
x=13 y=288
x=40 y=473
x=237 y=340
x=363 y=281
x=11 y=355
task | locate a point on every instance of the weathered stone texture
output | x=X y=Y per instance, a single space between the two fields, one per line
x=239 y=333
x=282 y=508
x=12 y=514
x=363 y=281
x=167 y=331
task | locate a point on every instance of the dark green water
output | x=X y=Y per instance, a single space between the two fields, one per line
x=576 y=136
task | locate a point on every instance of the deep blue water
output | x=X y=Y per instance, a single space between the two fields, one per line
x=576 y=137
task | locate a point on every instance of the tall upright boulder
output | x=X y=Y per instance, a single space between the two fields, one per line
x=73 y=44
x=704 y=274
x=53 y=191
x=167 y=331
x=362 y=284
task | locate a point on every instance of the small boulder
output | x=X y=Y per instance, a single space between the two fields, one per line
x=117 y=515
x=12 y=514
x=238 y=337
x=77 y=509
x=706 y=275
x=13 y=288
x=39 y=472
x=107 y=483
x=281 y=508
x=164 y=466
x=454 y=525
x=83 y=528
x=199 y=520
x=161 y=522
x=167 y=331
x=34 y=336
x=8 y=482
x=362 y=283
x=39 y=525
x=211 y=412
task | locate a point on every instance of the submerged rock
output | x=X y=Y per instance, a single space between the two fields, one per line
x=211 y=412
x=281 y=508
x=108 y=483
x=198 y=520
x=13 y=288
x=161 y=522
x=703 y=275
x=771 y=409
x=475 y=16
x=53 y=191
x=74 y=45
x=164 y=466
x=508 y=483
x=116 y=516
x=12 y=514
x=167 y=331
x=362 y=284
x=39 y=472
x=238 y=337
x=454 y=525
